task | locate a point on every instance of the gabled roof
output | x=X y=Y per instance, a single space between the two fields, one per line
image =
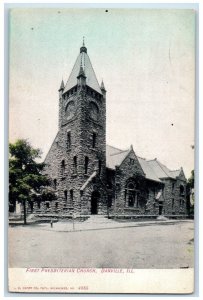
x=178 y=173
x=149 y=172
x=175 y=173
x=84 y=61
x=153 y=169
x=115 y=156
x=52 y=145
x=162 y=171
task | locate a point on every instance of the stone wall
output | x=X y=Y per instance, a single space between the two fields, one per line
x=154 y=197
x=174 y=202
x=85 y=122
x=129 y=169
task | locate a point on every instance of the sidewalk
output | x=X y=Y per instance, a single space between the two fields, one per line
x=99 y=223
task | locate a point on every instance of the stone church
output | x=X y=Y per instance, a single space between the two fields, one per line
x=91 y=177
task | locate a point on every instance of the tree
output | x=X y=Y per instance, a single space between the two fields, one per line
x=25 y=174
x=191 y=180
x=190 y=193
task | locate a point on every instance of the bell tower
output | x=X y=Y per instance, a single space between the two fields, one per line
x=82 y=136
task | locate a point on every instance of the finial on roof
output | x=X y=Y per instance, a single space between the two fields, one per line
x=61 y=86
x=102 y=86
x=81 y=72
x=131 y=147
x=83 y=48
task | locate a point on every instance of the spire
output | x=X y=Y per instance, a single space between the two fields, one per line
x=102 y=86
x=61 y=86
x=83 y=48
x=87 y=71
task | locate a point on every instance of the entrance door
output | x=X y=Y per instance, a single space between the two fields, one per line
x=131 y=198
x=94 y=202
x=160 y=208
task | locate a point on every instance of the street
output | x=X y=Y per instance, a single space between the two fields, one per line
x=146 y=245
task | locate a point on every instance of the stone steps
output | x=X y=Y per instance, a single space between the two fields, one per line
x=98 y=219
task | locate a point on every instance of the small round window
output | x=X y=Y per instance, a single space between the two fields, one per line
x=70 y=110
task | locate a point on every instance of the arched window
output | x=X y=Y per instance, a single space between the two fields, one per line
x=68 y=143
x=173 y=186
x=131 y=194
x=94 y=111
x=86 y=164
x=131 y=186
x=94 y=137
x=65 y=195
x=70 y=109
x=182 y=190
x=75 y=164
x=71 y=196
x=131 y=161
x=63 y=168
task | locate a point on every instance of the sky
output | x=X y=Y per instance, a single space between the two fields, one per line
x=146 y=59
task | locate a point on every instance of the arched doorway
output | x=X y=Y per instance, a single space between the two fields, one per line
x=94 y=202
x=160 y=207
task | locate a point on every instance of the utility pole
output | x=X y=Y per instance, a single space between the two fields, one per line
x=73 y=222
x=115 y=205
x=107 y=206
x=73 y=216
x=24 y=208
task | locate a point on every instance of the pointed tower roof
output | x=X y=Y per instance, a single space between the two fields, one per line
x=84 y=61
x=61 y=86
x=102 y=86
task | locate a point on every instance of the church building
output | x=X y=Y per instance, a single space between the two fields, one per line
x=91 y=177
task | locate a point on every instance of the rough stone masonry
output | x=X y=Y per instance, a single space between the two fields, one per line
x=90 y=177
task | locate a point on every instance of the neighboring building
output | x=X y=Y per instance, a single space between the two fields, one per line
x=90 y=177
